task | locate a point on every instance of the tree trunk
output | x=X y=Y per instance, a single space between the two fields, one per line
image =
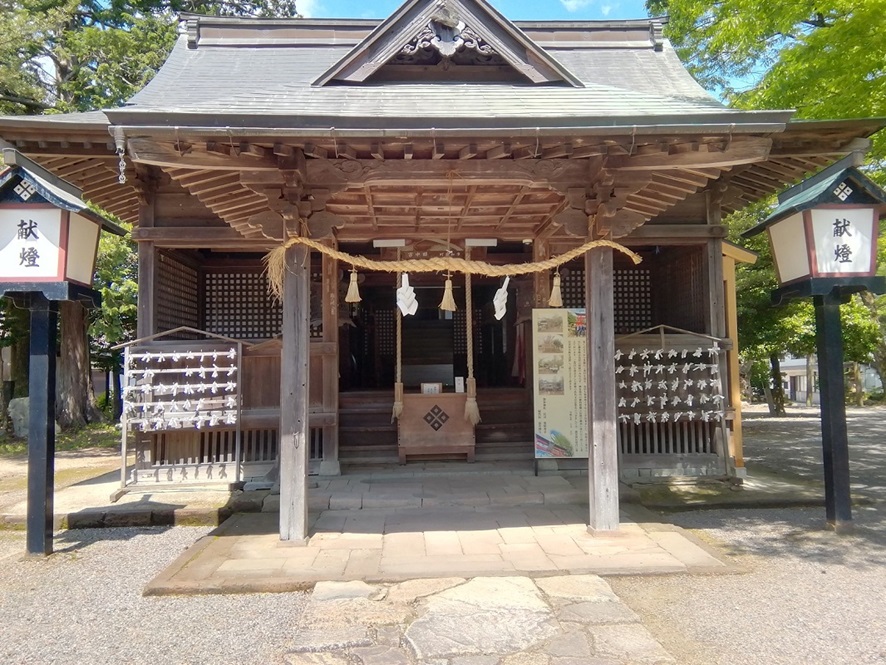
x=859 y=384
x=776 y=408
x=116 y=388
x=767 y=393
x=810 y=380
x=869 y=300
x=75 y=398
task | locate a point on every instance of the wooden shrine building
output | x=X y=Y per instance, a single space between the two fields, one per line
x=444 y=131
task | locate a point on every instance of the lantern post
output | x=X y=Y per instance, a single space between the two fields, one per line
x=48 y=246
x=823 y=235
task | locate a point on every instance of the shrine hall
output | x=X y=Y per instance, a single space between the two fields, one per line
x=440 y=236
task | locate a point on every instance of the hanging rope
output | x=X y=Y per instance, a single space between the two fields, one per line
x=275 y=262
x=472 y=410
x=398 y=379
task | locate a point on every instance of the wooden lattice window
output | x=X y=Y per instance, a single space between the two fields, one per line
x=572 y=288
x=177 y=295
x=385 y=336
x=460 y=339
x=632 y=300
x=681 y=288
x=237 y=304
x=632 y=297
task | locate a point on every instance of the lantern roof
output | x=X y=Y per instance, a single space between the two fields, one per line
x=841 y=184
x=50 y=187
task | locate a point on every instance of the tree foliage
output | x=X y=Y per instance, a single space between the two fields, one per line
x=70 y=55
x=823 y=58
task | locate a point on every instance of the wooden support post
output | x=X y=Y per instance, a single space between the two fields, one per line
x=294 y=372
x=736 y=442
x=834 y=441
x=147 y=261
x=41 y=425
x=602 y=413
x=329 y=465
x=146 y=186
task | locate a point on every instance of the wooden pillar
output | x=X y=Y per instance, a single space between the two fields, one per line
x=41 y=425
x=834 y=441
x=294 y=372
x=146 y=187
x=602 y=412
x=716 y=308
x=329 y=465
x=736 y=442
x=147 y=257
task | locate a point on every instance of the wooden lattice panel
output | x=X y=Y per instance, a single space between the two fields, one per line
x=681 y=283
x=177 y=295
x=632 y=300
x=460 y=339
x=238 y=305
x=632 y=297
x=385 y=336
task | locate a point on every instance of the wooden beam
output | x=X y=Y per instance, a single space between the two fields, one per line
x=499 y=151
x=438 y=151
x=377 y=151
x=524 y=152
x=602 y=411
x=563 y=173
x=253 y=150
x=315 y=151
x=745 y=151
x=283 y=150
x=677 y=231
x=557 y=151
x=294 y=392
x=468 y=152
x=683 y=177
x=407 y=151
x=166 y=155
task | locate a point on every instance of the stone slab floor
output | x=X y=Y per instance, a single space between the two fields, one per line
x=561 y=620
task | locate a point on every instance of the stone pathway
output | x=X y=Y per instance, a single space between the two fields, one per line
x=566 y=620
x=246 y=554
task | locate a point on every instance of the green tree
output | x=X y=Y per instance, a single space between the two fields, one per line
x=71 y=55
x=821 y=57
x=116 y=278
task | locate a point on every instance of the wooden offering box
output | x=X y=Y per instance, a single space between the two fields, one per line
x=435 y=425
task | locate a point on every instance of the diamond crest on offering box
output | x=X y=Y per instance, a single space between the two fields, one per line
x=24 y=189
x=843 y=191
x=436 y=418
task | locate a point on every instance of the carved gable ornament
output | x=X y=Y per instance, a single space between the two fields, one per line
x=448 y=34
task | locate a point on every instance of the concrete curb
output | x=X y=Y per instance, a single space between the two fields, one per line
x=101 y=519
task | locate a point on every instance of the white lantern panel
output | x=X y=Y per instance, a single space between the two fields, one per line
x=29 y=244
x=843 y=240
x=82 y=249
x=788 y=238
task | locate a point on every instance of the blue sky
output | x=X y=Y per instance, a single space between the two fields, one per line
x=516 y=10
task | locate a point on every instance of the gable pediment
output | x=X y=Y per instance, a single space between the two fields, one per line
x=448 y=35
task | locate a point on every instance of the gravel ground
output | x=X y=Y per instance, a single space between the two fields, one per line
x=84 y=605
x=809 y=596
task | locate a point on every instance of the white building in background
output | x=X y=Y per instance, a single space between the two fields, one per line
x=796 y=384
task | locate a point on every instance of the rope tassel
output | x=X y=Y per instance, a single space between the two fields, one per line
x=353 y=290
x=556 y=299
x=472 y=411
x=448 y=302
x=398 y=401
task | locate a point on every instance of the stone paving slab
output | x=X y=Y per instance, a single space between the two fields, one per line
x=479 y=621
x=245 y=553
